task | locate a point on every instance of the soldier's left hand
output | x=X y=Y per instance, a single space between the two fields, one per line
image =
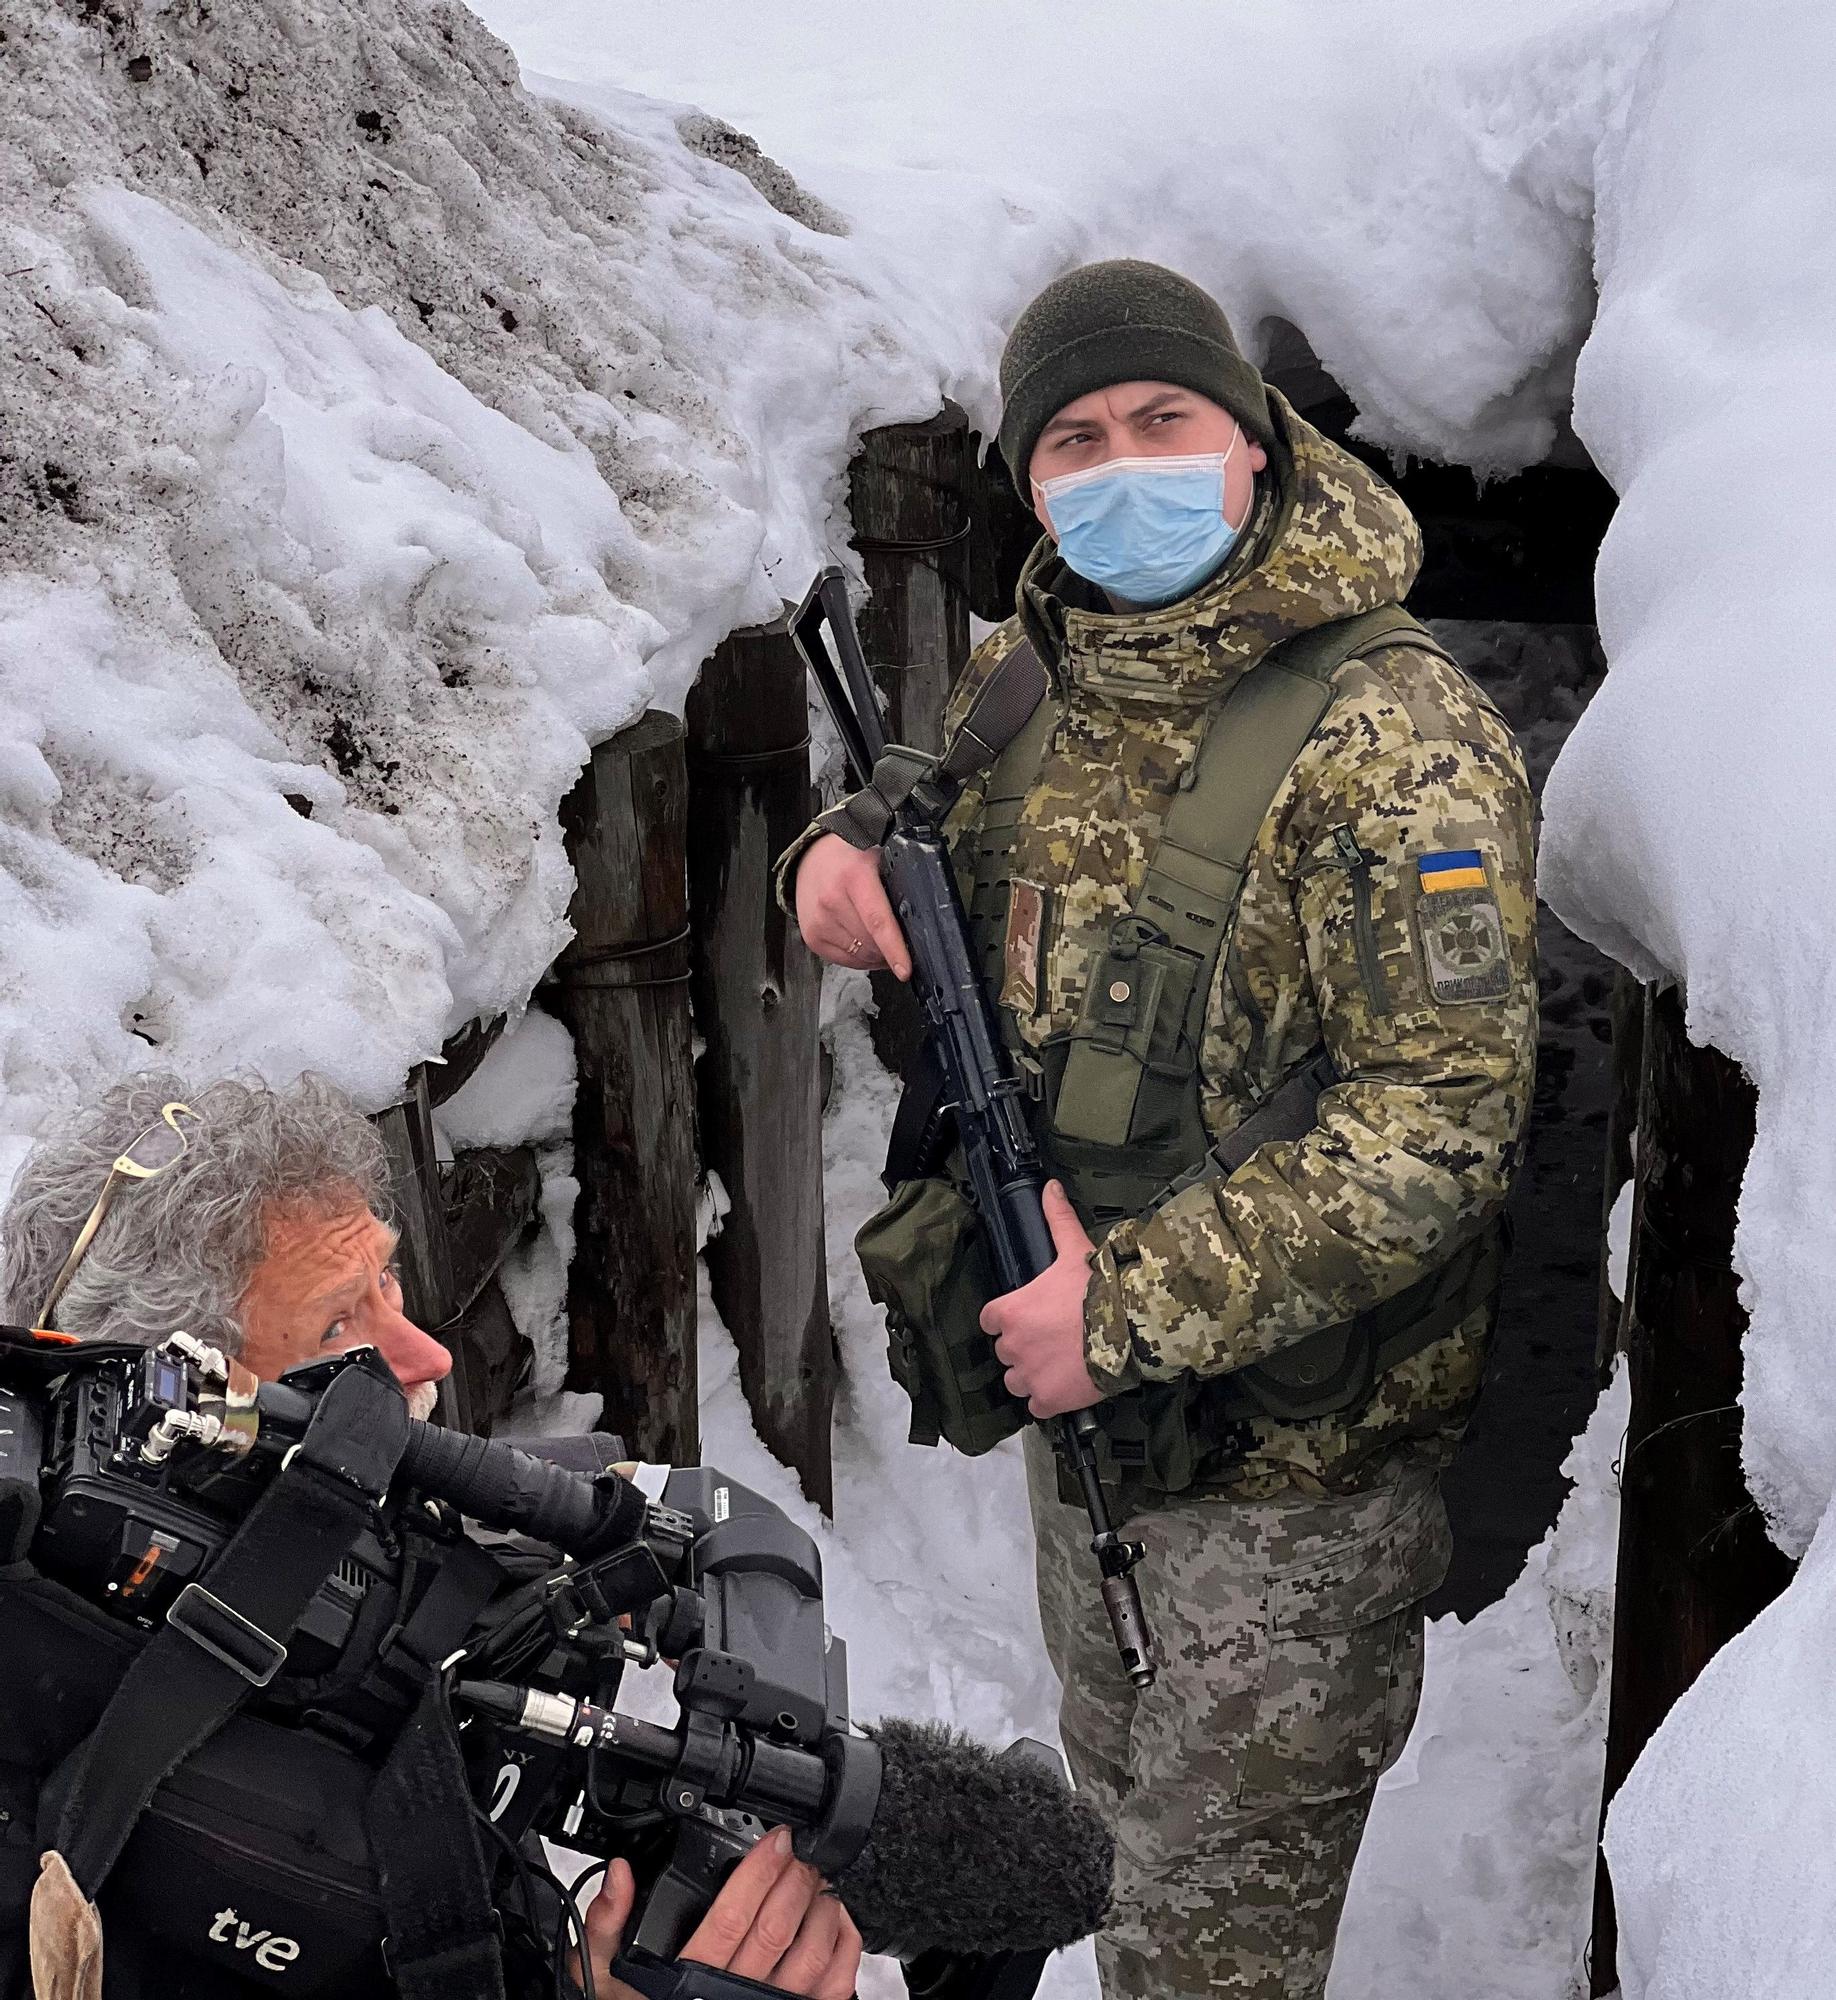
x=1039 y=1330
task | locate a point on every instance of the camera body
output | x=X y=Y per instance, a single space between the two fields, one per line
x=147 y=1460
x=126 y=1473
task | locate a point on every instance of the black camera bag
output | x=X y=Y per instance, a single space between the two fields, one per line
x=253 y=1857
x=128 y=1755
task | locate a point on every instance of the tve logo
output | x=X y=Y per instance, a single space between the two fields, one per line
x=272 y=1954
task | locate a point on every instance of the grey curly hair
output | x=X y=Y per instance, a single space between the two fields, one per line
x=177 y=1251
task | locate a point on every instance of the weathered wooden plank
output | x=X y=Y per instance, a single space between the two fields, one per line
x=494 y=1354
x=622 y=988
x=1002 y=532
x=905 y=497
x=460 y=1058
x=422 y=1256
x=490 y=1196
x=1695 y=1563
x=757 y=999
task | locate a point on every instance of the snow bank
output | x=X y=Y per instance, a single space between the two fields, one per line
x=374 y=438
x=1722 y=1843
x=1477 y=1867
x=1690 y=820
x=1408 y=183
x=1691 y=829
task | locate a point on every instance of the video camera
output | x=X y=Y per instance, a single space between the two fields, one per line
x=518 y=1590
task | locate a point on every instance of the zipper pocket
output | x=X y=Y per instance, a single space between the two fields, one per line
x=1247 y=1076
x=335 y=1877
x=1357 y=864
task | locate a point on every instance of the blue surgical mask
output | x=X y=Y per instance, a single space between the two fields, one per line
x=1148 y=530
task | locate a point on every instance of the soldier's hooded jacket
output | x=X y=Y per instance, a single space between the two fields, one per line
x=1388 y=914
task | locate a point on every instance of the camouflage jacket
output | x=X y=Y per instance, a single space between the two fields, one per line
x=1415 y=1146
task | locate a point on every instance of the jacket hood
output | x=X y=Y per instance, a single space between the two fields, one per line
x=1330 y=539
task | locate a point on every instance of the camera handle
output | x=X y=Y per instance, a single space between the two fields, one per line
x=706 y=1847
x=1010 y=1976
x=683 y=1979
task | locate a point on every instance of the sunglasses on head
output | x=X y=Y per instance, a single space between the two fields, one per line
x=144 y=1158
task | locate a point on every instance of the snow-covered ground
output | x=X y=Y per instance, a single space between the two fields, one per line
x=376 y=434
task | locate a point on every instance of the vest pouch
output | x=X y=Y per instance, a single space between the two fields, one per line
x=1331 y=1370
x=1129 y=1067
x=1336 y=1369
x=926 y=1259
x=1157 y=1441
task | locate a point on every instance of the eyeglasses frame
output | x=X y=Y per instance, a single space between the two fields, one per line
x=125 y=1169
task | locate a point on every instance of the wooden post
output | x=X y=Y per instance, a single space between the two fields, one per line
x=1002 y=533
x=422 y=1256
x=490 y=1196
x=458 y=1224
x=757 y=996
x=1628 y=1020
x=1695 y=1563
x=623 y=990
x=905 y=499
x=905 y=496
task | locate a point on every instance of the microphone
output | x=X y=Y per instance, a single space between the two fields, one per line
x=970 y=1852
x=945 y=1847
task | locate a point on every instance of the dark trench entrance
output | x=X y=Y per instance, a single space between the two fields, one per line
x=1507 y=585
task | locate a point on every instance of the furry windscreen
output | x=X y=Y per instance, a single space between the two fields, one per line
x=973 y=1852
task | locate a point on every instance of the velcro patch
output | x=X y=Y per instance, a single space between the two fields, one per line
x=1026 y=908
x=1464 y=868
x=1463 y=944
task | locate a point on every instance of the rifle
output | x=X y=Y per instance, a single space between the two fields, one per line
x=1006 y=1174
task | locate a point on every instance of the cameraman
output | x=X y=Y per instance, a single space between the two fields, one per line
x=252 y=1218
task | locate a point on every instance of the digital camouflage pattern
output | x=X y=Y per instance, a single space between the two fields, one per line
x=1238 y=1785
x=1415 y=1147
x=1285 y=1596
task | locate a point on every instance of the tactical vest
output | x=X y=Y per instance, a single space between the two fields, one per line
x=1116 y=1102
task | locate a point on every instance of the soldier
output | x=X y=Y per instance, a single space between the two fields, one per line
x=1256 y=884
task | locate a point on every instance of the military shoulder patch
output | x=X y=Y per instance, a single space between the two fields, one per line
x=1026 y=927
x=1461 y=928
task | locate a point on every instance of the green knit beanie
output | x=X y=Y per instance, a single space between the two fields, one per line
x=1123 y=321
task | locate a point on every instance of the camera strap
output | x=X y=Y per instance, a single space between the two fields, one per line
x=219 y=1644
x=445 y=1942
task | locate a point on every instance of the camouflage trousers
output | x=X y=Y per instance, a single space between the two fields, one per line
x=1290 y=1633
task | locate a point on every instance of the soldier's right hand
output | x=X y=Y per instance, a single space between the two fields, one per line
x=842 y=909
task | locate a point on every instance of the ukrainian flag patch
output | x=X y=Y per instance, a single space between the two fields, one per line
x=1462 y=869
x=1461 y=928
